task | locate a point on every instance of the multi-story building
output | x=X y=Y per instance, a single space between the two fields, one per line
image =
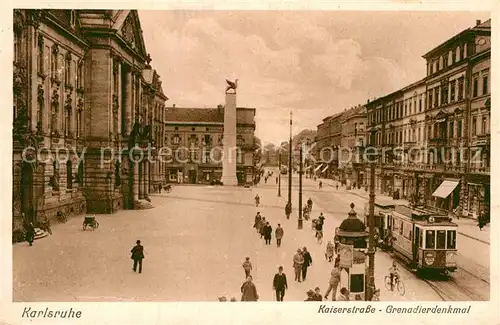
x=83 y=88
x=353 y=138
x=328 y=141
x=194 y=137
x=442 y=124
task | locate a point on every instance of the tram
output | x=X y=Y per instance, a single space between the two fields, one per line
x=424 y=238
x=383 y=219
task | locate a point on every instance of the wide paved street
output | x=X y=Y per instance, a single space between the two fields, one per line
x=195 y=240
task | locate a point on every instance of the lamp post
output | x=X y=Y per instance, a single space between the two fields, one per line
x=300 y=223
x=279 y=174
x=290 y=165
x=371 y=226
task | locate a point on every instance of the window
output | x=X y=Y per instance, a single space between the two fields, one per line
x=457 y=56
x=485 y=83
x=459 y=129
x=484 y=125
x=441 y=239
x=445 y=61
x=17 y=47
x=41 y=56
x=430 y=98
x=79 y=75
x=430 y=239
x=452 y=91
x=67 y=69
x=420 y=104
x=452 y=126
x=78 y=122
x=69 y=174
x=406 y=108
x=474 y=126
x=444 y=95
x=453 y=57
x=176 y=139
x=429 y=132
x=431 y=68
x=460 y=88
x=436 y=97
x=451 y=239
x=475 y=86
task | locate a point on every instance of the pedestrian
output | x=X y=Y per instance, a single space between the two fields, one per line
x=317 y=294
x=276 y=180
x=262 y=227
x=137 y=255
x=334 y=281
x=288 y=210
x=159 y=188
x=344 y=295
x=307 y=262
x=268 y=230
x=30 y=233
x=279 y=235
x=298 y=260
x=310 y=296
x=247 y=266
x=329 y=251
x=280 y=284
x=376 y=295
x=248 y=290
x=257 y=220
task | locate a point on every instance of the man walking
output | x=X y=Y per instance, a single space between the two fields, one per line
x=298 y=260
x=279 y=234
x=334 y=281
x=280 y=284
x=247 y=266
x=268 y=230
x=306 y=264
x=137 y=255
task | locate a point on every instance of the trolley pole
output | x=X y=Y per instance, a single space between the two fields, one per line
x=300 y=190
x=279 y=174
x=371 y=235
x=290 y=165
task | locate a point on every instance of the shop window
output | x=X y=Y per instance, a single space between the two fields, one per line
x=451 y=239
x=441 y=239
x=430 y=239
x=176 y=139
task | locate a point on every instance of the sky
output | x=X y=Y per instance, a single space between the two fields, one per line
x=313 y=63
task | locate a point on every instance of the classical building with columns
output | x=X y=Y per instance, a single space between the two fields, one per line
x=83 y=88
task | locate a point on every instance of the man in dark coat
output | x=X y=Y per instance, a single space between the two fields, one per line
x=268 y=230
x=280 y=284
x=30 y=233
x=248 y=290
x=307 y=262
x=137 y=255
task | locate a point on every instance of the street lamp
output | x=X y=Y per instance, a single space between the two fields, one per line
x=299 y=226
x=290 y=166
x=371 y=226
x=279 y=173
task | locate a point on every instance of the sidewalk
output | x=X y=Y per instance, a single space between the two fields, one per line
x=467 y=227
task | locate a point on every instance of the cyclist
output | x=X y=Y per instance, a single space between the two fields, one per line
x=394 y=274
x=257 y=200
x=310 y=204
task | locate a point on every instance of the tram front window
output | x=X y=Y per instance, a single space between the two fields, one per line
x=441 y=239
x=452 y=239
x=430 y=239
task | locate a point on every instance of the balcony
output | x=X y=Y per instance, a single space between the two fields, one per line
x=476 y=169
x=482 y=140
x=437 y=141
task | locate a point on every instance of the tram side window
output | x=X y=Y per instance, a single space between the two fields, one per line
x=401 y=228
x=441 y=239
x=452 y=239
x=430 y=239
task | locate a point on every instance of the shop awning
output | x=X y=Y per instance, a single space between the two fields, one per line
x=317 y=168
x=325 y=169
x=445 y=188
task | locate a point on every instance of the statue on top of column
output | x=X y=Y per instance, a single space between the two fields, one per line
x=231 y=85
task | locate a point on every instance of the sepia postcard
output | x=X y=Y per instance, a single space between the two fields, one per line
x=326 y=163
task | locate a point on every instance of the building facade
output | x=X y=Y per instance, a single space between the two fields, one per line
x=328 y=141
x=441 y=128
x=194 y=138
x=353 y=140
x=80 y=103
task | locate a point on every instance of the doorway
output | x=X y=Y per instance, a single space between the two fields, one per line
x=27 y=192
x=192 y=176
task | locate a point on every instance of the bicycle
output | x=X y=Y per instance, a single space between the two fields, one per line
x=320 y=237
x=398 y=283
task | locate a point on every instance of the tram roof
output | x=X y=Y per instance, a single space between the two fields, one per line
x=422 y=215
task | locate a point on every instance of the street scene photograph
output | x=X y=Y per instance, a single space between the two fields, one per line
x=255 y=156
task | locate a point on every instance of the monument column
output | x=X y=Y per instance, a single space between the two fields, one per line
x=229 y=140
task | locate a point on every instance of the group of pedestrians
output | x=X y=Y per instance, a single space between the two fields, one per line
x=264 y=228
x=301 y=261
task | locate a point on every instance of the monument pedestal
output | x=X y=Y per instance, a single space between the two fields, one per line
x=230 y=155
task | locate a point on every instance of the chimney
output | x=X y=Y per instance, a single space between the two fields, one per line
x=368 y=101
x=478 y=22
